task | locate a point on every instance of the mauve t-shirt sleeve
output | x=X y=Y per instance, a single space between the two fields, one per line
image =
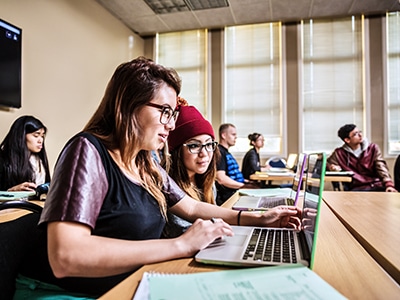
x=173 y=193
x=78 y=187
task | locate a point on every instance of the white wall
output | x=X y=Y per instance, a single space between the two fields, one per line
x=70 y=48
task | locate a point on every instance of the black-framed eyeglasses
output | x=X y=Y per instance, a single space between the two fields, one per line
x=196 y=148
x=167 y=113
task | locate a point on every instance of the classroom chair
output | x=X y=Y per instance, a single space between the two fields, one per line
x=18 y=238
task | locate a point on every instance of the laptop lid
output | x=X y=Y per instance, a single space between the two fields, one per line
x=313 y=189
x=298 y=177
x=233 y=250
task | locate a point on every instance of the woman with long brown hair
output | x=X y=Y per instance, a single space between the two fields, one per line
x=107 y=207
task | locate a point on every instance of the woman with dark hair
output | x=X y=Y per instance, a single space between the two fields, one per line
x=107 y=206
x=194 y=153
x=23 y=158
x=193 y=156
x=251 y=160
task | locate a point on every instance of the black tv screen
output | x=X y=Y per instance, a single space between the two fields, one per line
x=10 y=65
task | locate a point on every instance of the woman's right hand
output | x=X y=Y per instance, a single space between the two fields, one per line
x=25 y=186
x=202 y=233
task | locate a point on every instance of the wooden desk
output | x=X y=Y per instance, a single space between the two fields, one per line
x=340 y=260
x=373 y=219
x=264 y=176
x=14 y=213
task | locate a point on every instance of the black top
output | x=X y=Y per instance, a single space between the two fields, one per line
x=251 y=163
x=89 y=188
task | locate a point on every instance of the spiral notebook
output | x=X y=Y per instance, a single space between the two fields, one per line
x=281 y=282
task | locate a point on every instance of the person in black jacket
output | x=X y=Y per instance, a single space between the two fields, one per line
x=251 y=161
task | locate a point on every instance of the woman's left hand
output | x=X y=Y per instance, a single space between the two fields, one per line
x=282 y=216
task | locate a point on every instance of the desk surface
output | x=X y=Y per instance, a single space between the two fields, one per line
x=14 y=213
x=289 y=177
x=340 y=260
x=373 y=219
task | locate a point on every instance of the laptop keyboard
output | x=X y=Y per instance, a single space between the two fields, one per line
x=269 y=202
x=271 y=245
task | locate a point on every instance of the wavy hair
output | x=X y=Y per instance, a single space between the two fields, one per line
x=115 y=122
x=15 y=153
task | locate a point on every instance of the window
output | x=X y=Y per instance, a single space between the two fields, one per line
x=332 y=80
x=186 y=52
x=253 y=84
x=393 y=82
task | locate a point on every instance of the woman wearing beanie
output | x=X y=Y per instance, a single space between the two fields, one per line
x=192 y=162
x=251 y=161
x=193 y=154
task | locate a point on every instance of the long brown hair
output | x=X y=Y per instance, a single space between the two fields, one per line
x=115 y=122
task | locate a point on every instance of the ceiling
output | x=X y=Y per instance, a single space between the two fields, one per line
x=139 y=17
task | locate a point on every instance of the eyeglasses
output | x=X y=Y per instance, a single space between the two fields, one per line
x=167 y=113
x=196 y=148
x=357 y=133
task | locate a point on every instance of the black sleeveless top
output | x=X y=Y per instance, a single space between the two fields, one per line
x=88 y=187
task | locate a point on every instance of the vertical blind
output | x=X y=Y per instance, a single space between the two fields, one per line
x=393 y=80
x=186 y=52
x=332 y=80
x=253 y=84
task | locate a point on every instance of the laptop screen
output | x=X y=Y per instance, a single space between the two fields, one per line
x=298 y=177
x=314 y=186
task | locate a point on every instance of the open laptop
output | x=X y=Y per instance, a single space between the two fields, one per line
x=257 y=246
x=263 y=199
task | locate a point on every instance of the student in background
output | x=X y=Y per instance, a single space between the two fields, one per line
x=251 y=160
x=23 y=158
x=193 y=155
x=107 y=206
x=229 y=176
x=364 y=159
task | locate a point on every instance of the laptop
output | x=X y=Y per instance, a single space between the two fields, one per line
x=263 y=199
x=257 y=246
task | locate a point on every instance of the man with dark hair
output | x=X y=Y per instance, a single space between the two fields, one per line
x=229 y=176
x=364 y=159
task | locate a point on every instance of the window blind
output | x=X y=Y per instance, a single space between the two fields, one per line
x=332 y=80
x=253 y=84
x=393 y=81
x=186 y=52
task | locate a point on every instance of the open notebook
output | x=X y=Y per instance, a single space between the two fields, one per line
x=267 y=198
x=8 y=196
x=253 y=246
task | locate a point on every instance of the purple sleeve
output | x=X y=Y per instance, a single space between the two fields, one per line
x=173 y=193
x=78 y=187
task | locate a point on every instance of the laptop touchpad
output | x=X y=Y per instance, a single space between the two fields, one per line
x=236 y=240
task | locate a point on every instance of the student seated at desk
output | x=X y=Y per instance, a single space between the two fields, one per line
x=251 y=160
x=364 y=159
x=193 y=155
x=23 y=158
x=107 y=206
x=229 y=176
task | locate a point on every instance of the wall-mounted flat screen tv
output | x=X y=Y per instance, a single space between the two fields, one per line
x=10 y=65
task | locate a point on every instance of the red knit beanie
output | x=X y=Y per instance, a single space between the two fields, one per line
x=190 y=123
